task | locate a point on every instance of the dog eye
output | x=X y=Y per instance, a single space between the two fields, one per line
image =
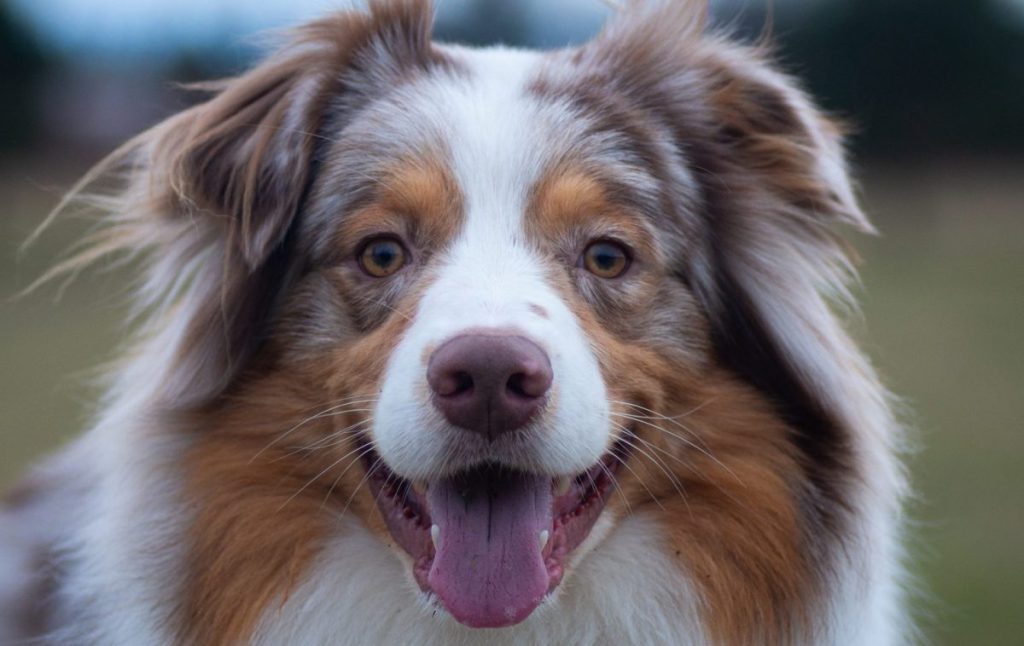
x=382 y=257
x=606 y=259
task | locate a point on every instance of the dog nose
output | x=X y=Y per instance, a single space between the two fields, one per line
x=489 y=383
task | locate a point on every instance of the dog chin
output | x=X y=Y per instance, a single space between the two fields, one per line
x=491 y=541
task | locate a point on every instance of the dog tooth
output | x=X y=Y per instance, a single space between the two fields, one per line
x=562 y=485
x=544 y=539
x=435 y=535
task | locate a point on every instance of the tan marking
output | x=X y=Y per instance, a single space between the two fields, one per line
x=568 y=202
x=417 y=198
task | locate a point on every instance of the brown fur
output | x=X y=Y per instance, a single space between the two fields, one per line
x=571 y=202
x=265 y=501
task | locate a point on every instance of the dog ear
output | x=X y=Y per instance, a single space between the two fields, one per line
x=211 y=195
x=246 y=155
x=777 y=267
x=775 y=193
x=779 y=263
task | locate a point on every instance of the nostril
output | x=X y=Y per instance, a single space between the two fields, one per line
x=530 y=383
x=516 y=385
x=452 y=384
x=463 y=383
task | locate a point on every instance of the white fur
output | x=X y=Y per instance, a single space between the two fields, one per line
x=489 y=279
x=123 y=559
x=625 y=591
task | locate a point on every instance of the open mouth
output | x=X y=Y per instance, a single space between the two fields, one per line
x=492 y=542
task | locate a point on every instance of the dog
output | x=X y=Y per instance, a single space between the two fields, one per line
x=444 y=345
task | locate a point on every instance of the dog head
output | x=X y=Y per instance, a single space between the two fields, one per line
x=492 y=301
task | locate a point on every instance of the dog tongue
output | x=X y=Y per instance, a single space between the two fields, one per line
x=488 y=569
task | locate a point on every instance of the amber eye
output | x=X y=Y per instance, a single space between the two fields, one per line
x=382 y=257
x=606 y=259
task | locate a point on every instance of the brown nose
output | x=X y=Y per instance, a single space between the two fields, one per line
x=489 y=384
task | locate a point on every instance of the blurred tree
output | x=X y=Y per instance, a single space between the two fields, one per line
x=22 y=64
x=916 y=77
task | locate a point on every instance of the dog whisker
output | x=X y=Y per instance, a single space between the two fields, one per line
x=362 y=452
x=655 y=413
x=332 y=439
x=377 y=463
x=643 y=484
x=704 y=451
x=656 y=461
x=672 y=419
x=328 y=412
x=323 y=471
x=383 y=304
x=615 y=483
x=683 y=463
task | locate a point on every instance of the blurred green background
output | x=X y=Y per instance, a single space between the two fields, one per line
x=935 y=90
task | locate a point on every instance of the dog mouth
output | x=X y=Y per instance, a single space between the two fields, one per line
x=491 y=542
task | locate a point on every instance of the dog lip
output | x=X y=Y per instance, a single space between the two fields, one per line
x=574 y=510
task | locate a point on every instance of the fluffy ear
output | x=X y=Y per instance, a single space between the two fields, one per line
x=775 y=193
x=779 y=263
x=211 y=195
x=247 y=154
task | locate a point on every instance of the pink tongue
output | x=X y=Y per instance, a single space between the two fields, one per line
x=488 y=569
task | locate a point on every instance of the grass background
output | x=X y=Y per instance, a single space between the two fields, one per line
x=943 y=316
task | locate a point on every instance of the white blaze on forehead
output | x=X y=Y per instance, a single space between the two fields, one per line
x=496 y=138
x=499 y=139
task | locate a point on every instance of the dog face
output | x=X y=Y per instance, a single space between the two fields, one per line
x=491 y=301
x=490 y=286
x=520 y=245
